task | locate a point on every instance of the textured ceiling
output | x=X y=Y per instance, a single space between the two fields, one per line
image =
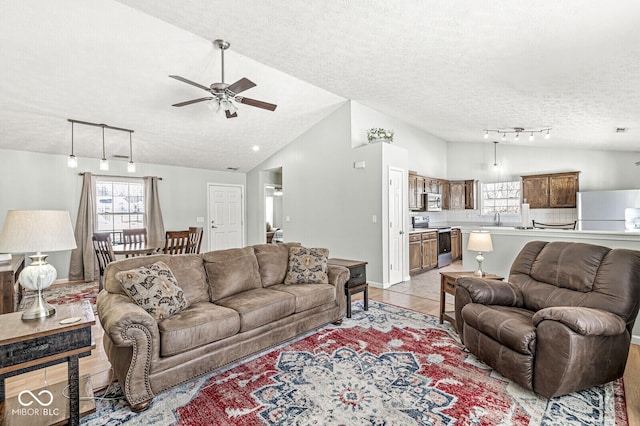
x=450 y=68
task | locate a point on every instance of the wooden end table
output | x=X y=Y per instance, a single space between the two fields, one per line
x=448 y=284
x=357 y=280
x=26 y=345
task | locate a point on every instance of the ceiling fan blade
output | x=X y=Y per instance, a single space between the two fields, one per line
x=241 y=85
x=193 y=101
x=256 y=103
x=193 y=83
x=229 y=115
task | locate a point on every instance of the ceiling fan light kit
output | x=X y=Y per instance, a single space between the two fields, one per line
x=517 y=131
x=72 y=160
x=222 y=94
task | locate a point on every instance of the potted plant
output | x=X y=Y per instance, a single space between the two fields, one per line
x=380 y=134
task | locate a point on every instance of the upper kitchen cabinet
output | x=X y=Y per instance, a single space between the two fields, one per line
x=462 y=194
x=444 y=191
x=416 y=192
x=555 y=190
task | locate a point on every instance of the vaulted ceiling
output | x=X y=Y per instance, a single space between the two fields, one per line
x=449 y=68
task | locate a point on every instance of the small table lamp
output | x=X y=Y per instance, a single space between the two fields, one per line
x=29 y=231
x=480 y=241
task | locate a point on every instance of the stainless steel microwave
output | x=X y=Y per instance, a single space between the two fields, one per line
x=434 y=202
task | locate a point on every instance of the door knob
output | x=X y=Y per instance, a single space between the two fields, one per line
x=401 y=232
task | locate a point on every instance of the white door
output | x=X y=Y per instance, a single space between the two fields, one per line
x=225 y=217
x=396 y=226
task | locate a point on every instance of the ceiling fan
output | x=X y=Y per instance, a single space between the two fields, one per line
x=222 y=94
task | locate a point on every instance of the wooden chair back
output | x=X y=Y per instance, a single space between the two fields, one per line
x=195 y=239
x=176 y=242
x=104 y=252
x=138 y=235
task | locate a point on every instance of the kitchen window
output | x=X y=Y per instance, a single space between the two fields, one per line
x=500 y=197
x=119 y=205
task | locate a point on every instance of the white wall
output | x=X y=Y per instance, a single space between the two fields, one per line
x=600 y=170
x=30 y=180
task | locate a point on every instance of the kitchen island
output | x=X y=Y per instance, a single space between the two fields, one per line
x=508 y=241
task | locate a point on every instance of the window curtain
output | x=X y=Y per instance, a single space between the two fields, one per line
x=83 y=265
x=153 y=214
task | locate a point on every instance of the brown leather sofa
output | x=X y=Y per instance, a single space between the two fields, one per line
x=238 y=306
x=562 y=322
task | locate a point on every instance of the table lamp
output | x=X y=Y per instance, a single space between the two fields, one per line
x=480 y=241
x=29 y=231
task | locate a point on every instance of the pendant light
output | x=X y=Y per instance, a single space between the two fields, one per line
x=104 y=163
x=72 y=160
x=131 y=167
x=495 y=154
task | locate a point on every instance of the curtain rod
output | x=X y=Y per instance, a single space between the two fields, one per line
x=127 y=177
x=105 y=126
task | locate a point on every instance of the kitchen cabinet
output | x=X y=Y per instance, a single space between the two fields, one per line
x=456 y=244
x=416 y=192
x=423 y=251
x=444 y=191
x=456 y=195
x=470 y=194
x=556 y=190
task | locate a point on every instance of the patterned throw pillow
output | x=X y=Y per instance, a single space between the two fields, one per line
x=307 y=266
x=155 y=289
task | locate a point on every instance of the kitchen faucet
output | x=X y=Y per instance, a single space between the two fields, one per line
x=496 y=219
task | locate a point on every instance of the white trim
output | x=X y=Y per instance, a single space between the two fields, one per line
x=635 y=339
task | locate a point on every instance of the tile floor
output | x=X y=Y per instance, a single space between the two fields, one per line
x=427 y=284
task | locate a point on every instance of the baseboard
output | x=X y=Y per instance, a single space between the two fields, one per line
x=635 y=339
x=377 y=285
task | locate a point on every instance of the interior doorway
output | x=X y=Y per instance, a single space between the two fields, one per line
x=273 y=206
x=226 y=212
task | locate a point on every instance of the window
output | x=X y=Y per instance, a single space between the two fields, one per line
x=501 y=197
x=119 y=205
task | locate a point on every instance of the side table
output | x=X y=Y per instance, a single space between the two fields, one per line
x=9 y=292
x=357 y=280
x=448 y=284
x=33 y=344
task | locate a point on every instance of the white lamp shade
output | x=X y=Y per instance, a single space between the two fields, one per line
x=31 y=231
x=480 y=241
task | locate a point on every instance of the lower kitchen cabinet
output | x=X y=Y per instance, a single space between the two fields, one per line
x=423 y=251
x=456 y=244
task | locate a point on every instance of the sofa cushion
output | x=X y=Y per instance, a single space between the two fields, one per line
x=509 y=326
x=273 y=260
x=308 y=296
x=155 y=289
x=307 y=266
x=260 y=306
x=231 y=271
x=199 y=324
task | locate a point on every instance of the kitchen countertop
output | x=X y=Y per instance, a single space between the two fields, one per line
x=416 y=230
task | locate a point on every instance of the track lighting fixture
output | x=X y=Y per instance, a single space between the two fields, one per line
x=131 y=167
x=517 y=131
x=72 y=160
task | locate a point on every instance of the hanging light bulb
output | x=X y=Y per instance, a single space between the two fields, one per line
x=517 y=136
x=504 y=137
x=548 y=135
x=131 y=167
x=72 y=160
x=104 y=163
x=531 y=137
x=486 y=134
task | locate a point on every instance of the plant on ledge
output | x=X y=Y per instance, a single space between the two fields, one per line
x=374 y=134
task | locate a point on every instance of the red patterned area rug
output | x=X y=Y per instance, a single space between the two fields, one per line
x=387 y=366
x=63 y=294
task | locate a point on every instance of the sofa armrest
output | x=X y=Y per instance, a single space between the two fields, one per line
x=338 y=276
x=584 y=321
x=118 y=313
x=491 y=292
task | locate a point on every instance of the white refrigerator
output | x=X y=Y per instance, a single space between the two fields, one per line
x=609 y=210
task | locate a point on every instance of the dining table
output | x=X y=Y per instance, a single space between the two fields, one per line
x=138 y=249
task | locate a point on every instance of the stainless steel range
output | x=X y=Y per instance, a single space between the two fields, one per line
x=444 y=239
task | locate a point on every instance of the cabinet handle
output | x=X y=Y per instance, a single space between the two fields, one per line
x=357 y=275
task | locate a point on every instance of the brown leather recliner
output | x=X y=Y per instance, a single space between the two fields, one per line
x=563 y=321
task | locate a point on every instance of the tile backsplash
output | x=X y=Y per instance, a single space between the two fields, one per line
x=548 y=216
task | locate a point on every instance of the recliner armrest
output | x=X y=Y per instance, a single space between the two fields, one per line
x=491 y=292
x=584 y=321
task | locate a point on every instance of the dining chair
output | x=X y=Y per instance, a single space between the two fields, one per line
x=195 y=239
x=104 y=252
x=176 y=242
x=134 y=236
